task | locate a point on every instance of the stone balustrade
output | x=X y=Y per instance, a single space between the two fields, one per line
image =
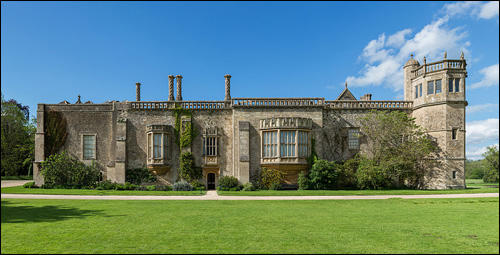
x=438 y=66
x=274 y=102
x=195 y=105
x=353 y=104
x=271 y=102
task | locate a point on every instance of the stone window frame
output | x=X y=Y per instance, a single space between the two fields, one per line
x=272 y=145
x=165 y=147
x=82 y=134
x=455 y=84
x=210 y=133
x=349 y=139
x=278 y=140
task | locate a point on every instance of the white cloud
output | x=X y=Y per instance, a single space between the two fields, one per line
x=481 y=108
x=489 y=10
x=385 y=58
x=481 y=131
x=476 y=153
x=481 y=10
x=490 y=77
x=398 y=38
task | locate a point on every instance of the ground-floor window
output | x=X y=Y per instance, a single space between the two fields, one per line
x=89 y=147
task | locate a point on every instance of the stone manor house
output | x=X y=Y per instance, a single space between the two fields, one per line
x=239 y=136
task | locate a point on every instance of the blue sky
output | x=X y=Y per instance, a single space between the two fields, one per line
x=53 y=51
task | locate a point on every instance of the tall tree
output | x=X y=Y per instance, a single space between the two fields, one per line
x=398 y=145
x=17 y=134
x=491 y=163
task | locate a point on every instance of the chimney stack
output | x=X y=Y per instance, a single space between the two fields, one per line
x=179 y=87
x=138 y=91
x=170 y=88
x=228 y=87
x=366 y=97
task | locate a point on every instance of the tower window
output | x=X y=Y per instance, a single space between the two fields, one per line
x=457 y=85
x=454 y=133
x=454 y=174
x=430 y=87
x=438 y=86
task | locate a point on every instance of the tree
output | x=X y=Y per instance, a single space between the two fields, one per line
x=17 y=135
x=491 y=164
x=399 y=146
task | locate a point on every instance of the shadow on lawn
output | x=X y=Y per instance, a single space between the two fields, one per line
x=15 y=213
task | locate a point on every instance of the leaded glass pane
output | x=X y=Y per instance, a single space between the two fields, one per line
x=157 y=145
x=430 y=87
x=89 y=147
x=438 y=86
x=457 y=85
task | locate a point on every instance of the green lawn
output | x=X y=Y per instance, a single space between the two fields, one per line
x=21 y=190
x=475 y=189
x=333 y=226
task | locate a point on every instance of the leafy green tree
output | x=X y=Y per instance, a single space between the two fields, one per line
x=18 y=138
x=474 y=169
x=399 y=146
x=491 y=162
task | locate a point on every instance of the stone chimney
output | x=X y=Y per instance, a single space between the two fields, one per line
x=366 y=97
x=179 y=87
x=227 y=97
x=170 y=88
x=138 y=91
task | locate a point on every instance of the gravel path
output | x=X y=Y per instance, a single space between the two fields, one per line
x=212 y=195
x=13 y=183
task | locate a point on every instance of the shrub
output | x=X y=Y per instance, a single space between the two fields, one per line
x=323 y=175
x=346 y=178
x=139 y=175
x=303 y=181
x=105 y=185
x=30 y=185
x=271 y=178
x=64 y=171
x=491 y=164
x=372 y=176
x=163 y=188
x=151 y=188
x=248 y=187
x=228 y=183
x=182 y=186
x=198 y=185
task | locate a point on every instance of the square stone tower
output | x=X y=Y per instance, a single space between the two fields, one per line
x=437 y=90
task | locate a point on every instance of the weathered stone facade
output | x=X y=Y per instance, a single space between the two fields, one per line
x=239 y=136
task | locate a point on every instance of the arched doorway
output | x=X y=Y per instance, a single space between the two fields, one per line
x=210 y=181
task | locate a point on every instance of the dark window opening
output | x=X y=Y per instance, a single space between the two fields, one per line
x=454 y=133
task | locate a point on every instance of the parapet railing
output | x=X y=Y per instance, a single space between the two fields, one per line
x=353 y=104
x=270 y=102
x=273 y=102
x=195 y=105
x=438 y=66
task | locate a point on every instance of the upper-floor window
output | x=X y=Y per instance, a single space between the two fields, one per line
x=455 y=88
x=210 y=146
x=270 y=144
x=430 y=87
x=303 y=144
x=158 y=144
x=285 y=139
x=353 y=138
x=287 y=143
x=420 y=89
x=89 y=147
x=457 y=85
x=438 y=86
x=416 y=91
x=454 y=133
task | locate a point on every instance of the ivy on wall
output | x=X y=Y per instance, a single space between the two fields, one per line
x=184 y=138
x=55 y=132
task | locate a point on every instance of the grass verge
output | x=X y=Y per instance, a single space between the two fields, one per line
x=22 y=177
x=347 y=226
x=22 y=190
